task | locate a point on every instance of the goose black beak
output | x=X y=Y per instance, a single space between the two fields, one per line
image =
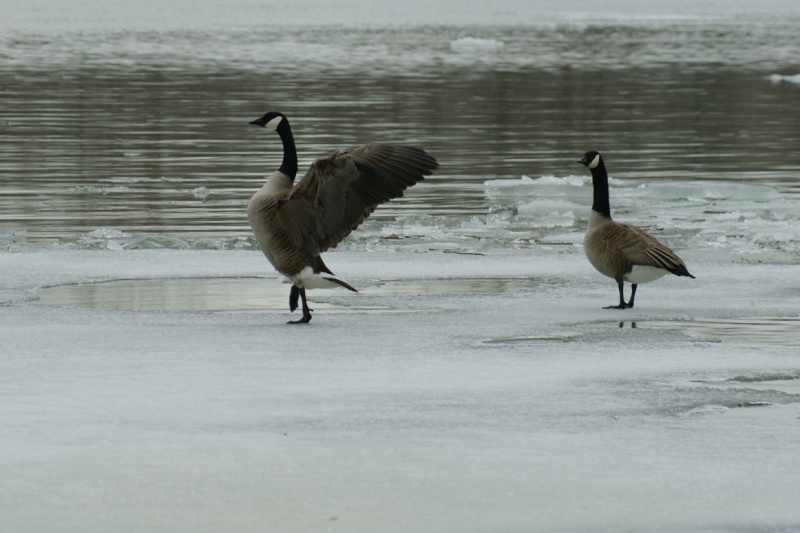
x=582 y=161
x=258 y=122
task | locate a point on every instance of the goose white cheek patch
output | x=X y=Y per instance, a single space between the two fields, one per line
x=273 y=124
x=595 y=161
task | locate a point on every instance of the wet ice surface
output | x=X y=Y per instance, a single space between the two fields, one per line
x=471 y=392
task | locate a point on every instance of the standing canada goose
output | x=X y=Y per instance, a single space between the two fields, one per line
x=294 y=224
x=620 y=251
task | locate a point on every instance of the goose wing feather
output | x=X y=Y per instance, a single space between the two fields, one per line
x=641 y=248
x=341 y=190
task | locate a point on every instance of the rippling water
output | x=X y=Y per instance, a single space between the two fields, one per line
x=143 y=130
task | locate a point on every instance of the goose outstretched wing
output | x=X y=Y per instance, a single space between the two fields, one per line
x=341 y=190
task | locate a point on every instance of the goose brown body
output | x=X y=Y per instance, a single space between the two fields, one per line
x=614 y=250
x=621 y=251
x=295 y=223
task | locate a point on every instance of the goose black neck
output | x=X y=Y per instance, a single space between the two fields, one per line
x=289 y=164
x=600 y=185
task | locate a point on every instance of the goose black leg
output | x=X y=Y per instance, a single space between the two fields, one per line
x=306 y=311
x=633 y=294
x=622 y=304
x=294 y=295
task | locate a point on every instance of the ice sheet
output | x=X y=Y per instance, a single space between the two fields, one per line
x=777 y=78
x=512 y=410
x=716 y=220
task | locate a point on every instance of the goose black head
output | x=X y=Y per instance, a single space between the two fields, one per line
x=270 y=120
x=590 y=159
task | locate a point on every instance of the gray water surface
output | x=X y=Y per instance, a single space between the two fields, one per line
x=146 y=131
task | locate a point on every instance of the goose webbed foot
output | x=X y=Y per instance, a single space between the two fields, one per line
x=305 y=320
x=622 y=304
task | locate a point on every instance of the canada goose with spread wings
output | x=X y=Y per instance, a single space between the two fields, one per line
x=620 y=251
x=295 y=223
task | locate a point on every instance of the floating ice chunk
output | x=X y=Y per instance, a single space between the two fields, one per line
x=509 y=190
x=100 y=190
x=777 y=78
x=549 y=189
x=574 y=181
x=713 y=190
x=110 y=236
x=101 y=238
x=524 y=180
x=473 y=44
x=550 y=213
x=527 y=181
x=107 y=233
x=144 y=241
x=201 y=192
x=127 y=179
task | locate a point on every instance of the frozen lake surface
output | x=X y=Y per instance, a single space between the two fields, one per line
x=507 y=407
x=148 y=381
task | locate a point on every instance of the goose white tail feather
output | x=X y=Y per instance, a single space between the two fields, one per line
x=308 y=279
